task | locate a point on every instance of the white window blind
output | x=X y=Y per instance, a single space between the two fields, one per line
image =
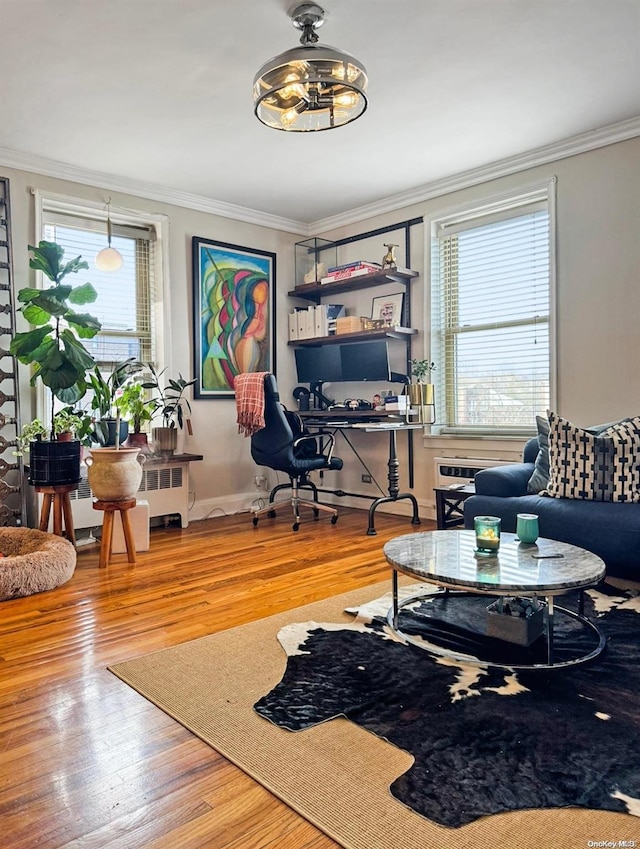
x=125 y=297
x=491 y=316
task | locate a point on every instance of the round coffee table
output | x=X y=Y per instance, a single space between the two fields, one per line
x=546 y=569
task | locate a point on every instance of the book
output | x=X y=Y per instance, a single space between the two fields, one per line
x=325 y=318
x=305 y=320
x=358 y=263
x=348 y=273
x=293 y=326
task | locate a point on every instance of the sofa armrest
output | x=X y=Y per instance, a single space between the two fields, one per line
x=504 y=481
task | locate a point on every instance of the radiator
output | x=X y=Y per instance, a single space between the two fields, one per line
x=165 y=487
x=458 y=471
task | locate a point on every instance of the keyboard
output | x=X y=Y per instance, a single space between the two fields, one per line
x=378 y=425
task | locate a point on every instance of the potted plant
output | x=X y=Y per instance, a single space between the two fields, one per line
x=68 y=424
x=114 y=471
x=138 y=410
x=103 y=401
x=54 y=349
x=422 y=392
x=170 y=403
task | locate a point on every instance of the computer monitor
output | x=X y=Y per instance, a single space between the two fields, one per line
x=319 y=365
x=379 y=359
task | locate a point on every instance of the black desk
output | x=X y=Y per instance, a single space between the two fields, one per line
x=369 y=421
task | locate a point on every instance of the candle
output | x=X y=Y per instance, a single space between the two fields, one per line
x=487 y=530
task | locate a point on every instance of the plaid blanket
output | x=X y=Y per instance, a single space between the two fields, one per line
x=250 y=401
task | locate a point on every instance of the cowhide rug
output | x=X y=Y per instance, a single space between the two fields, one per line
x=484 y=739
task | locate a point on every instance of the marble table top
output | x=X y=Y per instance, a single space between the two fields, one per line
x=448 y=558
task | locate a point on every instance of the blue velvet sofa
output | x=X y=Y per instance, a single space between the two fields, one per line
x=609 y=529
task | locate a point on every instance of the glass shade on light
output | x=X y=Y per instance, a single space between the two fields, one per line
x=310 y=88
x=108 y=259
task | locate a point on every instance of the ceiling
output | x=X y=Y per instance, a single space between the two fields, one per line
x=159 y=92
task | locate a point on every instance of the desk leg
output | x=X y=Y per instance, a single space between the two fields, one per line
x=394 y=488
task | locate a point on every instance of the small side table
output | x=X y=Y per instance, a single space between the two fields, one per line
x=449 y=505
x=57 y=496
x=109 y=508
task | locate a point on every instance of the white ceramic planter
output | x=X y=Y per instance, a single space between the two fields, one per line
x=114 y=473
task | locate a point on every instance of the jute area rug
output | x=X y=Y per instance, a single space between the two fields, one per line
x=336 y=774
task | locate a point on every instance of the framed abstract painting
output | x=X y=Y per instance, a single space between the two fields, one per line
x=234 y=309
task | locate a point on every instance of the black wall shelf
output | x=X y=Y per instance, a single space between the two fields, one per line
x=316 y=291
x=360 y=336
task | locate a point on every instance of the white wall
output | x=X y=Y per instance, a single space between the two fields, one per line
x=598 y=291
x=225 y=479
x=598 y=303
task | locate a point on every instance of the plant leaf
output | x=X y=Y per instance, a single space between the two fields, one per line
x=85 y=325
x=52 y=301
x=76 y=353
x=84 y=294
x=35 y=315
x=46 y=258
x=73 y=266
x=23 y=345
x=73 y=393
x=28 y=294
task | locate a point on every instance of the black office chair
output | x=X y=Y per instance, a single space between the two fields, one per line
x=283 y=445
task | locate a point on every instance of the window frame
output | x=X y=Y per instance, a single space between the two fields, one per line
x=492 y=206
x=50 y=202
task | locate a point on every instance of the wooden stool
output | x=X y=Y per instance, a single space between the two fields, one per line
x=109 y=508
x=58 y=496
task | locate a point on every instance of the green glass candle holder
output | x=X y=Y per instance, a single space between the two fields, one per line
x=487 y=529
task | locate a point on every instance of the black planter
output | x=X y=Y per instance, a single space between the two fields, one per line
x=54 y=463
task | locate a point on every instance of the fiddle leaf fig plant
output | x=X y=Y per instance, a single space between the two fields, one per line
x=53 y=347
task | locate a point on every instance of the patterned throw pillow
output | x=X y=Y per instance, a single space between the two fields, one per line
x=605 y=467
x=539 y=480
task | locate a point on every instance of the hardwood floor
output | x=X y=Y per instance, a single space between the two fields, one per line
x=84 y=760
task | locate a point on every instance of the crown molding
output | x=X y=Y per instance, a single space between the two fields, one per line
x=52 y=168
x=592 y=140
x=583 y=143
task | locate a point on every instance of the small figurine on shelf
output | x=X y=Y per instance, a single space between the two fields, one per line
x=389 y=259
x=316 y=274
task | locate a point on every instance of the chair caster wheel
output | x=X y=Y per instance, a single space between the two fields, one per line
x=334 y=519
x=271 y=514
x=295 y=526
x=255 y=521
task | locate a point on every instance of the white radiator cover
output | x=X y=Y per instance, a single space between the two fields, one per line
x=165 y=487
x=459 y=471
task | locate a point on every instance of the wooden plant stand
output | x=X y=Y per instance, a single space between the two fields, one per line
x=57 y=497
x=109 y=508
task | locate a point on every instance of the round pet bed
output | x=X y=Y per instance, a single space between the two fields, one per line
x=33 y=562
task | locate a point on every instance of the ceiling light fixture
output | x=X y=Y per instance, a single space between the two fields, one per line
x=109 y=259
x=312 y=87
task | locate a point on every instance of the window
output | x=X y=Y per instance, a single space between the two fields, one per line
x=130 y=302
x=491 y=283
x=125 y=297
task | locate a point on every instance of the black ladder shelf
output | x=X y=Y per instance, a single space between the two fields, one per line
x=12 y=502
